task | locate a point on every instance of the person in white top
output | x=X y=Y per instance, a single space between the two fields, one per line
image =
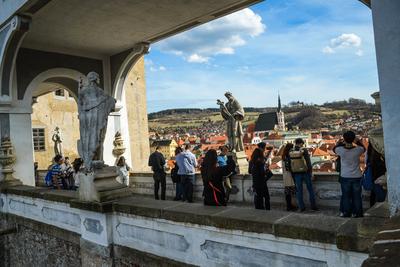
x=350 y=150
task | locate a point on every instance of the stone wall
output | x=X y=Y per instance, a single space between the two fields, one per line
x=326 y=187
x=55 y=229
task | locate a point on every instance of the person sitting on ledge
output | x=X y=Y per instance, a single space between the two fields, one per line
x=213 y=177
x=57 y=174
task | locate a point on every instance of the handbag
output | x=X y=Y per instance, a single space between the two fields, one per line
x=366 y=180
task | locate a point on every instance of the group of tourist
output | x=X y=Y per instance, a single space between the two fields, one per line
x=217 y=168
x=62 y=174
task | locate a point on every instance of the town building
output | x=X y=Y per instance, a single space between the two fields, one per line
x=270 y=121
x=167 y=147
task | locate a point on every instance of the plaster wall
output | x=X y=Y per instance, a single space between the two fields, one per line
x=53 y=111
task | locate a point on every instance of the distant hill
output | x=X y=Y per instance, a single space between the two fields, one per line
x=305 y=116
x=181 y=111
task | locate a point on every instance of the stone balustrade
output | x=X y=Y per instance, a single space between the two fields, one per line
x=55 y=229
x=326 y=187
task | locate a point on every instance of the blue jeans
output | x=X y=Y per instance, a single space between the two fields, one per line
x=188 y=182
x=179 y=191
x=299 y=178
x=351 y=196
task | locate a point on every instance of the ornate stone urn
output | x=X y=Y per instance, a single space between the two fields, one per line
x=7 y=161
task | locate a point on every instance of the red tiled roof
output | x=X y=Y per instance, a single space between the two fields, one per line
x=320 y=153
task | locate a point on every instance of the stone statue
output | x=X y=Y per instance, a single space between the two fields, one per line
x=57 y=141
x=94 y=106
x=233 y=113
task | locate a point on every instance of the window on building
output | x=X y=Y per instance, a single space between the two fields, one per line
x=38 y=139
x=59 y=92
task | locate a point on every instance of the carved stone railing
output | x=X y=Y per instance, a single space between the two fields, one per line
x=326 y=187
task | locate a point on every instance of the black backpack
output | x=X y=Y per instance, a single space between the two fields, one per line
x=174 y=174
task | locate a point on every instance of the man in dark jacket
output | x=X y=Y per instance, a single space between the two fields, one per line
x=157 y=163
x=303 y=175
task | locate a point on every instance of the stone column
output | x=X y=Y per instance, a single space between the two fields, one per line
x=386 y=20
x=21 y=136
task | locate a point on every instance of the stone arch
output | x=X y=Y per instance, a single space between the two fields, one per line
x=61 y=76
x=122 y=64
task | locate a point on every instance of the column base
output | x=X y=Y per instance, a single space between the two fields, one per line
x=102 y=185
x=242 y=165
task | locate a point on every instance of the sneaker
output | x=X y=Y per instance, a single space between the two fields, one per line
x=314 y=209
x=303 y=210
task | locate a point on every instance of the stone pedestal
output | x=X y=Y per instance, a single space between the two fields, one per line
x=102 y=185
x=241 y=162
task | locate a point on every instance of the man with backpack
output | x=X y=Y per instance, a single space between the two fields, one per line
x=300 y=166
x=349 y=150
x=157 y=163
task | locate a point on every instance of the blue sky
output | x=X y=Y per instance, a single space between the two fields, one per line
x=307 y=50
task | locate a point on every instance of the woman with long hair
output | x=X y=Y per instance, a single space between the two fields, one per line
x=213 y=177
x=259 y=170
x=288 y=182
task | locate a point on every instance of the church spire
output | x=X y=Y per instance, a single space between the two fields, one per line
x=279 y=103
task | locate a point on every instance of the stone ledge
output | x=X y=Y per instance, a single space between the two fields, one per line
x=317 y=228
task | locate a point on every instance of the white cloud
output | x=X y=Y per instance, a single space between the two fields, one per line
x=195 y=58
x=217 y=37
x=328 y=50
x=344 y=41
x=153 y=67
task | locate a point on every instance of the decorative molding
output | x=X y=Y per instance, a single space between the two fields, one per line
x=245 y=256
x=152 y=237
x=11 y=36
x=62 y=217
x=93 y=226
x=23 y=207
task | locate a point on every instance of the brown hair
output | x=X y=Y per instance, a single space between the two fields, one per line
x=209 y=165
x=286 y=151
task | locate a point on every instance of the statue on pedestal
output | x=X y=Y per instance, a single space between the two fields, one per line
x=57 y=141
x=94 y=106
x=233 y=113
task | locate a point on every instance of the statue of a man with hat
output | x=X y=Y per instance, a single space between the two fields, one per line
x=233 y=113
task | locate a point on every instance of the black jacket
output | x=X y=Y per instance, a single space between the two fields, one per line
x=259 y=174
x=157 y=162
x=214 y=191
